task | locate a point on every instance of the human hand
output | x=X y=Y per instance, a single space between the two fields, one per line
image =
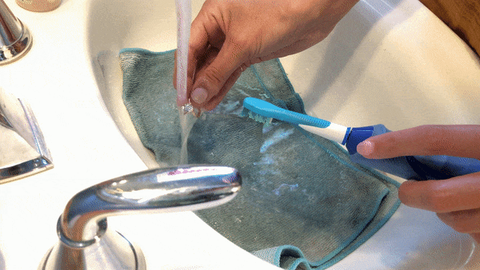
x=245 y=32
x=456 y=200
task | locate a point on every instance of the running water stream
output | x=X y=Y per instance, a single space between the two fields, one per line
x=184 y=17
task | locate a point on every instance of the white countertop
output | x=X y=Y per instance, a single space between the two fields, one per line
x=55 y=77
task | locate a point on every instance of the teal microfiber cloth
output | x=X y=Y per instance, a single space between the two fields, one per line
x=303 y=204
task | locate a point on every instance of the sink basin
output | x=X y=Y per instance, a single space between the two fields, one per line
x=389 y=62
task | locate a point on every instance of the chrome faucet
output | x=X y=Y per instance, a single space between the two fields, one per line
x=87 y=243
x=15 y=39
x=23 y=150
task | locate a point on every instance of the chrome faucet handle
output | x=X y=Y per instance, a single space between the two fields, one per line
x=23 y=148
x=15 y=39
x=86 y=243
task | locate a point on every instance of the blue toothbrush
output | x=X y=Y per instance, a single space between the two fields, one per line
x=408 y=167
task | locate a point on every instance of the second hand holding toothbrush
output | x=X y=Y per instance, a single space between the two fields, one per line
x=408 y=167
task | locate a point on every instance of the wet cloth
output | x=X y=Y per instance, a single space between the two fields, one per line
x=303 y=204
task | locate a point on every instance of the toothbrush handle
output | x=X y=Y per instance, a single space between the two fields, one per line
x=410 y=167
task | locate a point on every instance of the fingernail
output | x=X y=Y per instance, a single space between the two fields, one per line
x=199 y=95
x=365 y=148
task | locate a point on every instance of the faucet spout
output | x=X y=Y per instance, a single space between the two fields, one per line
x=156 y=191
x=82 y=227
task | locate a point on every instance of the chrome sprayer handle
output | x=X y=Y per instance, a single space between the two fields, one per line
x=86 y=243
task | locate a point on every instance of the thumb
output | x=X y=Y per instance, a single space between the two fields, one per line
x=210 y=81
x=451 y=140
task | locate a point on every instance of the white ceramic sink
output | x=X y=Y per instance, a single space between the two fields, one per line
x=389 y=62
x=395 y=55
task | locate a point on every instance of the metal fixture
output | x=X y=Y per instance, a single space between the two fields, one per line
x=87 y=243
x=22 y=148
x=15 y=39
